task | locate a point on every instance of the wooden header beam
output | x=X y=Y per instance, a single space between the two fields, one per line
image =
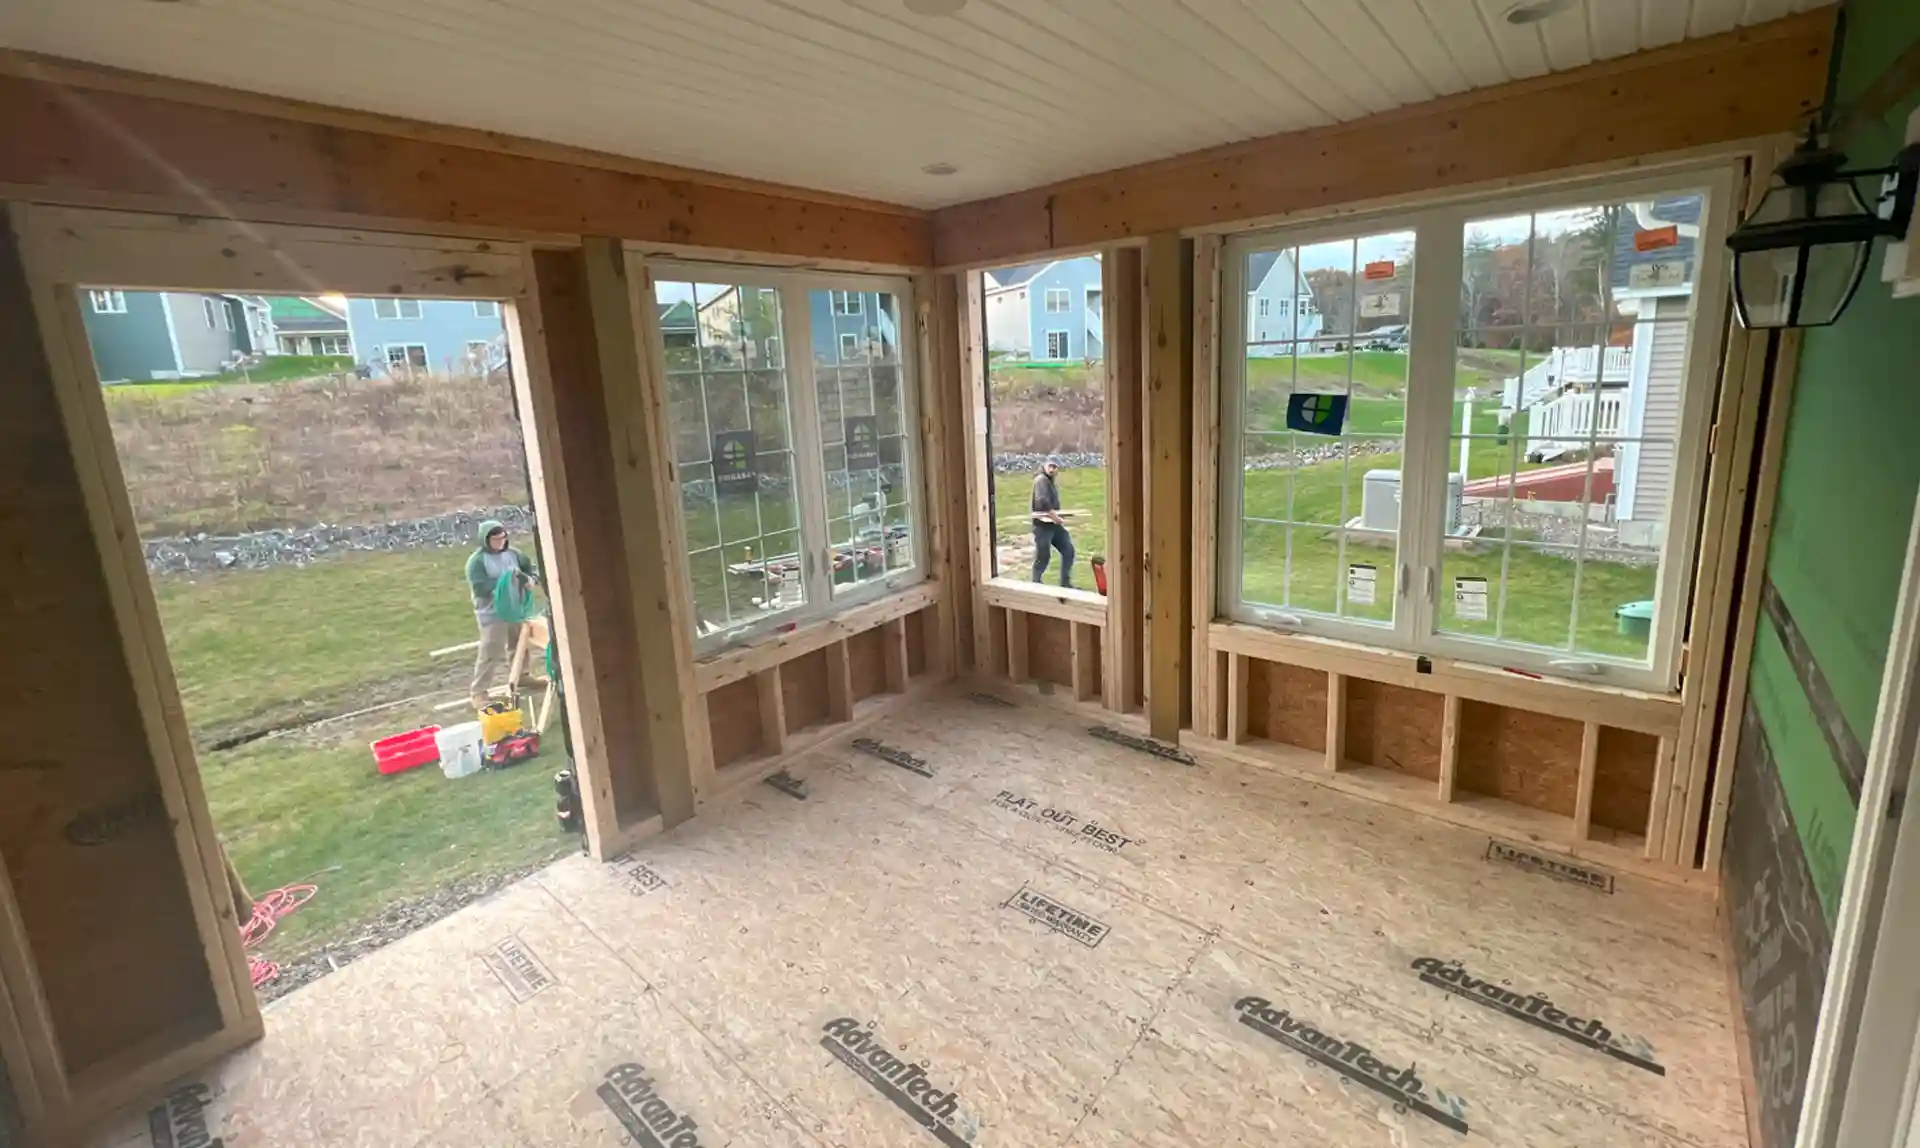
x=96 y=137
x=1717 y=90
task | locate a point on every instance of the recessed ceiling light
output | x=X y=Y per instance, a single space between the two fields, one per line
x=935 y=7
x=1533 y=11
x=940 y=169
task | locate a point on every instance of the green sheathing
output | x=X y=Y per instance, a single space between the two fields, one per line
x=1846 y=499
x=1849 y=478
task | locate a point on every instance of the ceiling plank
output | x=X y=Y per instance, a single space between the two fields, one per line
x=1736 y=86
x=82 y=143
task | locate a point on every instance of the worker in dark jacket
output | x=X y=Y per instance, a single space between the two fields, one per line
x=1049 y=531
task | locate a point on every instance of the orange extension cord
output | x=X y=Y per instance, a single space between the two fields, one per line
x=267 y=912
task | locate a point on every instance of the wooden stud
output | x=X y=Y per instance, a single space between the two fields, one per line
x=1656 y=847
x=620 y=295
x=973 y=362
x=773 y=711
x=1017 y=648
x=1086 y=641
x=1169 y=478
x=1120 y=663
x=1336 y=721
x=893 y=649
x=1238 y=667
x=1589 y=769
x=1717 y=90
x=1205 y=487
x=1752 y=577
x=1449 y=747
x=943 y=458
x=839 y=683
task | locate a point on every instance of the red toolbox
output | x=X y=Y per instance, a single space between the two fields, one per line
x=404 y=751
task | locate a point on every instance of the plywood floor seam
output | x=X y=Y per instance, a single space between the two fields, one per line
x=992 y=929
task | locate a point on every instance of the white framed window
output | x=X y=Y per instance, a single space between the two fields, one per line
x=486 y=309
x=396 y=308
x=406 y=357
x=1520 y=487
x=1058 y=299
x=108 y=302
x=799 y=475
x=846 y=302
x=208 y=308
x=1262 y=306
x=1059 y=344
x=225 y=313
x=332 y=345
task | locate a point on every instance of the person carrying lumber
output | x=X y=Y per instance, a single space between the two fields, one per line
x=1049 y=529
x=494 y=560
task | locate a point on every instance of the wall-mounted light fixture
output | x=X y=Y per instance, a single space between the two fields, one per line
x=1800 y=256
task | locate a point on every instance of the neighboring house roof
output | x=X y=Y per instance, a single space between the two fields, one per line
x=295 y=315
x=1008 y=277
x=1683 y=210
x=1259 y=266
x=676 y=316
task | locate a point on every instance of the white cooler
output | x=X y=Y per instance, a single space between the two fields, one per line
x=460 y=749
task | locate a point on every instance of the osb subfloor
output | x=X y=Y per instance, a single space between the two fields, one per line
x=719 y=957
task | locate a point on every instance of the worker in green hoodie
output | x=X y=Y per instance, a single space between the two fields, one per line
x=497 y=638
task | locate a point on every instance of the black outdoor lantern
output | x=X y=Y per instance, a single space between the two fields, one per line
x=1798 y=259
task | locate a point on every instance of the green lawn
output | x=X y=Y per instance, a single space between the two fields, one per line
x=258 y=648
x=304 y=810
x=274 y=369
x=253 y=649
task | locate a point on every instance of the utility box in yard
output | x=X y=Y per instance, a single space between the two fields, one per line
x=1380 y=501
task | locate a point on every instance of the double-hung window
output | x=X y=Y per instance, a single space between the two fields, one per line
x=1057 y=300
x=798 y=473
x=396 y=308
x=1509 y=472
x=107 y=302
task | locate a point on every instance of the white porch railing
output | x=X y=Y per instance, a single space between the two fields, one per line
x=1564 y=366
x=1572 y=417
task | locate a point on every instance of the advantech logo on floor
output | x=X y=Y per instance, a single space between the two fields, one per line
x=181 y=1122
x=1538 y=1011
x=1354 y=1061
x=907 y=1085
x=650 y=1121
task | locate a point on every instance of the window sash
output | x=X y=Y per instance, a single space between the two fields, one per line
x=824 y=598
x=108 y=302
x=1060 y=295
x=1440 y=234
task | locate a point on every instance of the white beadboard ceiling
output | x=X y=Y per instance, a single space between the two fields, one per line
x=855 y=96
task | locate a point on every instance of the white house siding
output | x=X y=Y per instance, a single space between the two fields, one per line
x=1653 y=464
x=204 y=350
x=1008 y=329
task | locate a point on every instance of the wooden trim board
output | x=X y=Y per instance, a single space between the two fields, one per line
x=76 y=136
x=1121 y=279
x=1047 y=601
x=1169 y=308
x=1206 y=476
x=1720 y=89
x=745 y=661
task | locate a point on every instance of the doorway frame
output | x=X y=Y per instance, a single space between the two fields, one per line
x=61 y=249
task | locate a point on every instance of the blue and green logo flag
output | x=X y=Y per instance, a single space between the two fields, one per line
x=1317 y=414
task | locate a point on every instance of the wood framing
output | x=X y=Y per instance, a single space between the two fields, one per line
x=939 y=365
x=979 y=520
x=839 y=683
x=1752 y=575
x=948 y=382
x=1168 y=411
x=1048 y=601
x=1122 y=281
x=1336 y=720
x=1715 y=90
x=774 y=649
x=1589 y=771
x=1019 y=647
x=675 y=727
x=81 y=137
x=1205 y=491
x=1086 y=658
x=1449 y=747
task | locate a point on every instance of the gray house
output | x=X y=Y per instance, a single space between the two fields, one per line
x=144 y=336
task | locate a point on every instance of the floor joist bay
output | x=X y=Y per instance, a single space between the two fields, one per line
x=1052 y=940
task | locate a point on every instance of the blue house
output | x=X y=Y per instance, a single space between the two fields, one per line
x=1047 y=312
x=1280 y=305
x=144 y=336
x=854 y=326
x=441 y=336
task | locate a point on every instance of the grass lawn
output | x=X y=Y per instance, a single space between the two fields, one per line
x=275 y=369
x=307 y=809
x=254 y=649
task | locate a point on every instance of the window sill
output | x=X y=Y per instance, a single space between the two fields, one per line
x=781 y=645
x=1654 y=713
x=1050 y=601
